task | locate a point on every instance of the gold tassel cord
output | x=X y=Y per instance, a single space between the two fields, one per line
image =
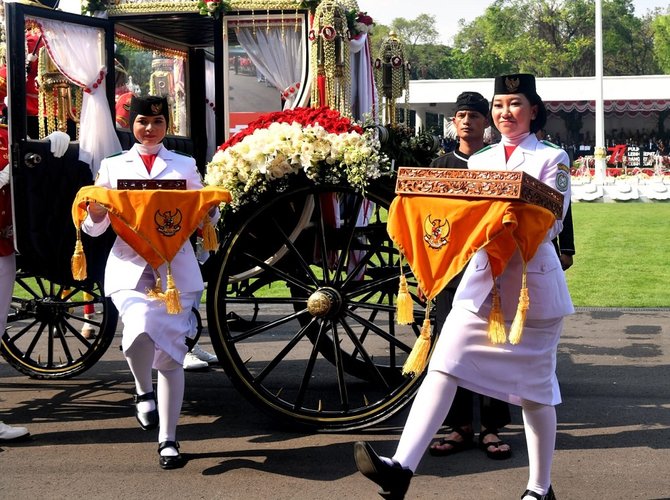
x=172 y=301
x=516 y=330
x=78 y=262
x=418 y=358
x=209 y=239
x=404 y=306
x=496 y=332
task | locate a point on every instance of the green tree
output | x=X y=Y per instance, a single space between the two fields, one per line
x=661 y=34
x=554 y=38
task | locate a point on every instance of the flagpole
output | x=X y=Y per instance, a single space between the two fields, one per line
x=600 y=152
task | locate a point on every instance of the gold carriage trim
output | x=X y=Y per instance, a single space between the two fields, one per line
x=117 y=7
x=480 y=184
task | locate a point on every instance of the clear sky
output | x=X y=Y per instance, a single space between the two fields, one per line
x=448 y=12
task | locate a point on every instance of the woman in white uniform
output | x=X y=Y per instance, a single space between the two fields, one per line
x=152 y=338
x=522 y=374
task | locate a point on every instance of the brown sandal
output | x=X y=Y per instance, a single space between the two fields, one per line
x=496 y=454
x=456 y=446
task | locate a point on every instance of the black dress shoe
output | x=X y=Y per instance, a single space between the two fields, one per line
x=170 y=462
x=148 y=420
x=548 y=496
x=393 y=480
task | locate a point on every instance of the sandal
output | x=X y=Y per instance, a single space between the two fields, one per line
x=496 y=453
x=456 y=446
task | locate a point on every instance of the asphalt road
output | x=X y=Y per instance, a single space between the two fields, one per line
x=613 y=437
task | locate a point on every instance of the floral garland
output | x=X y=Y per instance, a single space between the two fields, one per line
x=213 y=8
x=325 y=146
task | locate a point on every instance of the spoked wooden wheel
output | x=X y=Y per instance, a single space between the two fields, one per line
x=311 y=336
x=56 y=331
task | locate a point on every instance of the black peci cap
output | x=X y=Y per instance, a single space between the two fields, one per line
x=149 y=106
x=519 y=83
x=472 y=101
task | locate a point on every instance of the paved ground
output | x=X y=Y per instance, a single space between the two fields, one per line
x=613 y=439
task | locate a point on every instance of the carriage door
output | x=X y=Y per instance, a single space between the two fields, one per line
x=58 y=94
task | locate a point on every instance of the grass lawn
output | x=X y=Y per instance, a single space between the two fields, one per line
x=623 y=255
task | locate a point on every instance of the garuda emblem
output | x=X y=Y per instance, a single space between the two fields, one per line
x=435 y=232
x=167 y=223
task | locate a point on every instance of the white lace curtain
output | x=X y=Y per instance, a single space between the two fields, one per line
x=77 y=52
x=277 y=53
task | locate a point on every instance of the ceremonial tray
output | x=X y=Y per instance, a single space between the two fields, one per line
x=493 y=184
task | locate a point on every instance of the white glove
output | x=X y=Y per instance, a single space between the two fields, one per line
x=59 y=143
x=4 y=177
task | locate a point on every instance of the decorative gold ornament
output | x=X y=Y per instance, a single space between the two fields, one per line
x=329 y=37
x=392 y=77
x=55 y=99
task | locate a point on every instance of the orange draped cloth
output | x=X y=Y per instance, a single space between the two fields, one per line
x=155 y=223
x=438 y=235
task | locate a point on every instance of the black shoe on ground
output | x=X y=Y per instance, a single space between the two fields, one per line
x=148 y=420
x=549 y=496
x=393 y=480
x=170 y=462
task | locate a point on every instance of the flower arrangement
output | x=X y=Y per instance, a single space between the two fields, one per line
x=358 y=23
x=92 y=6
x=318 y=142
x=213 y=8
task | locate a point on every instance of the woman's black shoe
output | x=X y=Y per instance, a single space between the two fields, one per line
x=549 y=496
x=148 y=420
x=393 y=480
x=170 y=462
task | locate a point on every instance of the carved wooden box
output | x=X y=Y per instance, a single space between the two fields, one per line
x=494 y=184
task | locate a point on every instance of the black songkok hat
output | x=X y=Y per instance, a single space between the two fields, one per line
x=519 y=83
x=472 y=101
x=150 y=105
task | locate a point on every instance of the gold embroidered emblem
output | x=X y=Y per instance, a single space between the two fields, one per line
x=436 y=232
x=167 y=223
x=512 y=84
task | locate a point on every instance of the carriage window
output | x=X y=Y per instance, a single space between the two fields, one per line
x=144 y=68
x=57 y=75
x=267 y=68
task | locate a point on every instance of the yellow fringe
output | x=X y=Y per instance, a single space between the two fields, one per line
x=516 y=330
x=172 y=302
x=418 y=358
x=78 y=261
x=404 y=305
x=496 y=332
x=210 y=242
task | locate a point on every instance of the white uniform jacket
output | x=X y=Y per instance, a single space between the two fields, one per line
x=124 y=266
x=548 y=291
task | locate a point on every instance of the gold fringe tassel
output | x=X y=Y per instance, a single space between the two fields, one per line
x=404 y=305
x=496 y=332
x=172 y=302
x=516 y=330
x=78 y=261
x=210 y=242
x=418 y=358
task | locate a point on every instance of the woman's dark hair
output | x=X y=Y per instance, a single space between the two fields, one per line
x=541 y=118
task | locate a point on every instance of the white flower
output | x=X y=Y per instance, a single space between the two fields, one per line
x=250 y=166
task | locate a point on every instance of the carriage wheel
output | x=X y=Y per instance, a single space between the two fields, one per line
x=55 y=331
x=312 y=337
